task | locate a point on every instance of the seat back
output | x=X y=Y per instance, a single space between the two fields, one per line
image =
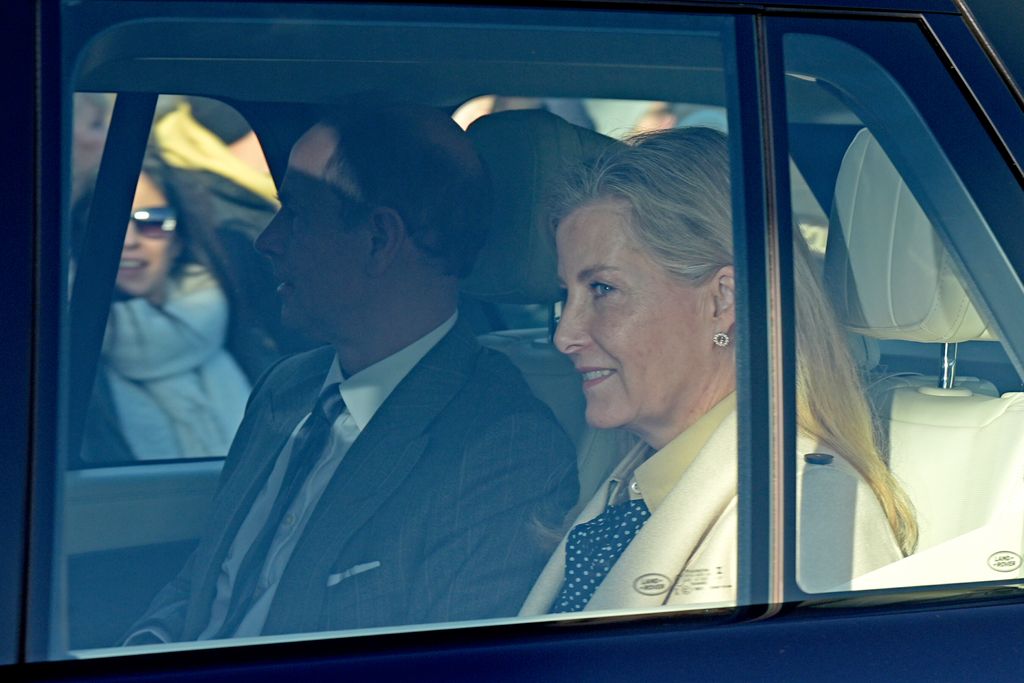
x=958 y=452
x=527 y=153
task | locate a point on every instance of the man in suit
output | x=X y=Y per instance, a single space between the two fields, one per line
x=402 y=474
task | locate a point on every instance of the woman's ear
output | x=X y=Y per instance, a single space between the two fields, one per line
x=387 y=234
x=724 y=292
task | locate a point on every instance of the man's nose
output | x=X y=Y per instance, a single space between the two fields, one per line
x=571 y=334
x=271 y=240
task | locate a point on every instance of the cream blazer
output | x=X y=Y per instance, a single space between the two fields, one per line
x=686 y=552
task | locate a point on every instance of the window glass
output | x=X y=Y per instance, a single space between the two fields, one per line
x=421 y=466
x=191 y=324
x=918 y=424
x=192 y=319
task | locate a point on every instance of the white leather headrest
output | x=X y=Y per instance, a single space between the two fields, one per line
x=886 y=269
x=527 y=153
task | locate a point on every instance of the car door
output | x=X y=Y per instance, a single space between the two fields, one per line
x=791 y=102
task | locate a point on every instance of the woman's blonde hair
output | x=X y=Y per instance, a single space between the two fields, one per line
x=677 y=186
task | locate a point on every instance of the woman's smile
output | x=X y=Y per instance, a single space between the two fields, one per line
x=591 y=378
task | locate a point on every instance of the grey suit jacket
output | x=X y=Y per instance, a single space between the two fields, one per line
x=445 y=488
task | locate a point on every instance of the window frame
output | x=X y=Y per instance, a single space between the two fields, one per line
x=23 y=176
x=132 y=114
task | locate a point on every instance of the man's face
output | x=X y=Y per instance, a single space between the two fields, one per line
x=319 y=261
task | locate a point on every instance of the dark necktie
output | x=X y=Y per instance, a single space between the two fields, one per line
x=309 y=445
x=591 y=550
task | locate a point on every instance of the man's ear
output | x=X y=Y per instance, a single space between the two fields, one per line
x=724 y=292
x=387 y=236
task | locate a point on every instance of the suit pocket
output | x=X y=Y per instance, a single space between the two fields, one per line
x=354 y=570
x=363 y=595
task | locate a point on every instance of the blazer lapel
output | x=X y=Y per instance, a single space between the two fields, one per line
x=272 y=421
x=650 y=567
x=647 y=571
x=375 y=466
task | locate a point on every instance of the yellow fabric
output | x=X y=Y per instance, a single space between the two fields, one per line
x=659 y=474
x=186 y=144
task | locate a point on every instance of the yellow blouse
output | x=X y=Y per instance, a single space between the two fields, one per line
x=654 y=478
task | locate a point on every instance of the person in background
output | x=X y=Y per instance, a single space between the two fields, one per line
x=166 y=386
x=215 y=170
x=88 y=136
x=645 y=254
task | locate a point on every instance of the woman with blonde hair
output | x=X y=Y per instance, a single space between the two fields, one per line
x=645 y=254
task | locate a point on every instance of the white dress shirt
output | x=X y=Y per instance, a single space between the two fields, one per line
x=363 y=393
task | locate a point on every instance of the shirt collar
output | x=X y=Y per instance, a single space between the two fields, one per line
x=365 y=391
x=659 y=474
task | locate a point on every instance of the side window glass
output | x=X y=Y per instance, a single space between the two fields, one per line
x=191 y=322
x=461 y=477
x=921 y=415
x=192 y=319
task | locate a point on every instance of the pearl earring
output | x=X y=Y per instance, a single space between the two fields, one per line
x=721 y=339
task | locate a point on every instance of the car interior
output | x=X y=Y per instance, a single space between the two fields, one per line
x=955 y=443
x=946 y=394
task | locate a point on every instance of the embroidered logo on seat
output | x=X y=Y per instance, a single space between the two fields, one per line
x=1004 y=561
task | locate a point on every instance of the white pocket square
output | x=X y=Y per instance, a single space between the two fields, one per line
x=335 y=579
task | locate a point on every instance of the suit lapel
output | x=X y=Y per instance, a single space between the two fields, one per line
x=375 y=466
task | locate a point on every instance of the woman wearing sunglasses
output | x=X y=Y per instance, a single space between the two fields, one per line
x=167 y=387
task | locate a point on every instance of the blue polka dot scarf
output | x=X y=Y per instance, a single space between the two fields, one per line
x=593 y=548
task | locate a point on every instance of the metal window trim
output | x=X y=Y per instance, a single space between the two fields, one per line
x=757 y=374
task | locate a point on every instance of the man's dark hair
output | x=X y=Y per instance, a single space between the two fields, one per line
x=416 y=160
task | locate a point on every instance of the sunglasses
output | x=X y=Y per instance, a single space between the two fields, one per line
x=156 y=223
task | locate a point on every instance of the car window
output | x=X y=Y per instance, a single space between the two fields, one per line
x=191 y=321
x=943 y=396
x=430 y=460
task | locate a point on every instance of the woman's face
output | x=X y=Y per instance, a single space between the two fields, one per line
x=148 y=252
x=641 y=339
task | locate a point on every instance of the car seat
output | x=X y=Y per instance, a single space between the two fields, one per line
x=958 y=452
x=527 y=153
